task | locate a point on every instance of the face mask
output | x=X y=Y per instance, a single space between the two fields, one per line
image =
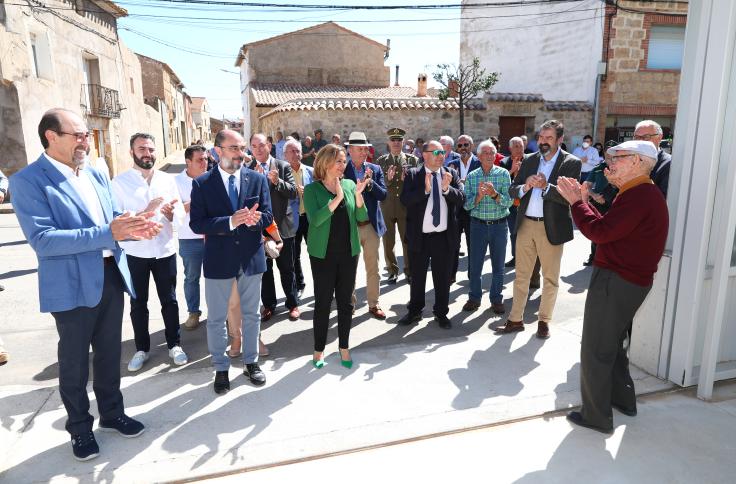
x=586 y=145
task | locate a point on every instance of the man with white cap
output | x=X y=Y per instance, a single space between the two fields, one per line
x=631 y=238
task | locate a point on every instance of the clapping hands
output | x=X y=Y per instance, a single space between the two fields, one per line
x=247 y=216
x=571 y=190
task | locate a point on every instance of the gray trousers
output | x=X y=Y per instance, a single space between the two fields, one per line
x=217 y=295
x=610 y=307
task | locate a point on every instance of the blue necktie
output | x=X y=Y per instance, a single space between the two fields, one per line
x=435 y=201
x=232 y=192
x=265 y=168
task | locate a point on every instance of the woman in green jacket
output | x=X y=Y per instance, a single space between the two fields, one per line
x=333 y=206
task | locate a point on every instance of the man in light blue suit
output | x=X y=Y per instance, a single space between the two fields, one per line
x=303 y=176
x=67 y=214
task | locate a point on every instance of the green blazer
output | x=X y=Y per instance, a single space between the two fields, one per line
x=316 y=199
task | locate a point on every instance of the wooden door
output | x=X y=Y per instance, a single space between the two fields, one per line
x=510 y=126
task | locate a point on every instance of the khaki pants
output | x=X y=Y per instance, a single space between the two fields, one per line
x=394 y=214
x=370 y=243
x=532 y=242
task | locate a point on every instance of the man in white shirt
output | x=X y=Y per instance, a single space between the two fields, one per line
x=588 y=156
x=144 y=189
x=191 y=245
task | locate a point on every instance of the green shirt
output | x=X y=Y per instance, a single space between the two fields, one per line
x=316 y=201
x=488 y=208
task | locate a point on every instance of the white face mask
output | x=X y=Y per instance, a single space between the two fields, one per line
x=586 y=145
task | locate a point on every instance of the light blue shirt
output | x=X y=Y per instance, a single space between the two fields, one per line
x=536 y=203
x=280 y=149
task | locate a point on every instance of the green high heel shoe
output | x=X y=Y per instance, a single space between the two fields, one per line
x=346 y=363
x=319 y=364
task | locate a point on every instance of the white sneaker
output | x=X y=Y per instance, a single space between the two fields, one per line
x=177 y=354
x=136 y=363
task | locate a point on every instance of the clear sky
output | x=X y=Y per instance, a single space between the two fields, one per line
x=203 y=40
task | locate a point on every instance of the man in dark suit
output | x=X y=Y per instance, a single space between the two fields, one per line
x=282 y=190
x=432 y=196
x=649 y=130
x=231 y=207
x=543 y=224
x=372 y=230
x=67 y=212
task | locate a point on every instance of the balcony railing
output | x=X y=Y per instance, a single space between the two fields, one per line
x=100 y=101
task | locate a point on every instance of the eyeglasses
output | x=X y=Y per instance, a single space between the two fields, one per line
x=236 y=148
x=617 y=158
x=463 y=145
x=645 y=137
x=78 y=136
x=435 y=152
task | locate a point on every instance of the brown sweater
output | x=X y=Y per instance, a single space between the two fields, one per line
x=631 y=235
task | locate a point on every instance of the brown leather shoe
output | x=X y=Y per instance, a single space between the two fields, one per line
x=471 y=305
x=542 y=330
x=377 y=312
x=294 y=313
x=498 y=308
x=510 y=327
x=266 y=314
x=192 y=321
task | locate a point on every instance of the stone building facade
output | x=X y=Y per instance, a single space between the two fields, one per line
x=68 y=57
x=201 y=120
x=642 y=73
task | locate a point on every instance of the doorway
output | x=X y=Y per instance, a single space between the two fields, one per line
x=510 y=126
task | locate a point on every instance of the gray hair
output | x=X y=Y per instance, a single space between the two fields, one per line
x=292 y=142
x=466 y=136
x=484 y=144
x=447 y=140
x=516 y=140
x=648 y=163
x=647 y=123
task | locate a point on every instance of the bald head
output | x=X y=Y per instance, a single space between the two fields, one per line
x=64 y=136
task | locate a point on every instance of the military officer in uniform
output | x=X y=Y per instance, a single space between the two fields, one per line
x=395 y=165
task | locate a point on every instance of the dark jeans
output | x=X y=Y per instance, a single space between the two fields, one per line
x=511 y=219
x=192 y=256
x=164 y=276
x=333 y=275
x=434 y=248
x=301 y=234
x=610 y=307
x=462 y=226
x=101 y=327
x=285 y=263
x=486 y=238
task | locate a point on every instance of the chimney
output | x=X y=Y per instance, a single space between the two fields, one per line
x=422 y=85
x=396 y=81
x=452 y=88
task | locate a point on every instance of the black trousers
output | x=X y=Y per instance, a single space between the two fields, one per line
x=333 y=275
x=301 y=234
x=610 y=307
x=511 y=221
x=100 y=327
x=435 y=248
x=164 y=276
x=285 y=263
x=463 y=226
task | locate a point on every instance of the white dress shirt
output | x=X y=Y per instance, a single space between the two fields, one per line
x=132 y=193
x=82 y=184
x=427 y=225
x=591 y=154
x=184 y=185
x=536 y=203
x=226 y=181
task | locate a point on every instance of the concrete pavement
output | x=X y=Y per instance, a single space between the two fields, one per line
x=407 y=383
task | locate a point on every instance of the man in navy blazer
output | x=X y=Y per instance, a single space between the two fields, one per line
x=372 y=230
x=67 y=213
x=231 y=206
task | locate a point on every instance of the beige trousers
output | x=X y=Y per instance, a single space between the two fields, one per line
x=370 y=243
x=532 y=242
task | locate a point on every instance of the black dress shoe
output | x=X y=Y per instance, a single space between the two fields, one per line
x=254 y=372
x=84 y=446
x=511 y=263
x=444 y=321
x=392 y=278
x=409 y=318
x=222 y=382
x=577 y=419
x=631 y=412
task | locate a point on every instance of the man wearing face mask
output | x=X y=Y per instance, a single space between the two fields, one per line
x=588 y=155
x=143 y=189
x=631 y=236
x=543 y=224
x=231 y=206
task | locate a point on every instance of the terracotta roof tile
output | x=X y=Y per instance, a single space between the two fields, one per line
x=568 y=106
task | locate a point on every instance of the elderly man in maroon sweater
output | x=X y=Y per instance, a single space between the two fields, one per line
x=630 y=238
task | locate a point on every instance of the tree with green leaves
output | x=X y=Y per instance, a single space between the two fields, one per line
x=463 y=82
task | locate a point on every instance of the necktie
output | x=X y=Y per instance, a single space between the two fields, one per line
x=265 y=167
x=232 y=192
x=435 y=200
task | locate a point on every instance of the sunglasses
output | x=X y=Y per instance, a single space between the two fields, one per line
x=463 y=145
x=435 y=152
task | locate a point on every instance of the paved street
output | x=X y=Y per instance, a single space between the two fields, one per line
x=407 y=383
